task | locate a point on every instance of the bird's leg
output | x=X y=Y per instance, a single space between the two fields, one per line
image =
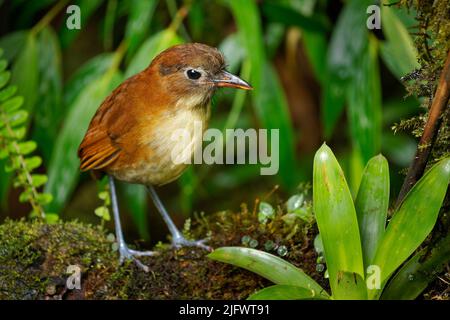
x=124 y=251
x=178 y=240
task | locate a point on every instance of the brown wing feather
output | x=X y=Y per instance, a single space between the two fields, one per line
x=101 y=145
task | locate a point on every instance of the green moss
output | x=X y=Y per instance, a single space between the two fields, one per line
x=34 y=258
x=432 y=40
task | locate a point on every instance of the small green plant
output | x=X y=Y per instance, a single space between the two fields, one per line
x=360 y=252
x=103 y=194
x=13 y=147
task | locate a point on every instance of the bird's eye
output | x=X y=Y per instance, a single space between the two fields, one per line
x=193 y=74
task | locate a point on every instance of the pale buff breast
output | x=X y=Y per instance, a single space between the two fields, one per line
x=160 y=167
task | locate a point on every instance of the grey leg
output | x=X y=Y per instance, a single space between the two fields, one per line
x=124 y=251
x=177 y=238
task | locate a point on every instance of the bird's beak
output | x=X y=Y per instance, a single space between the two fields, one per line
x=226 y=79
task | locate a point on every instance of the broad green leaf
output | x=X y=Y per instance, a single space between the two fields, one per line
x=49 y=106
x=336 y=219
x=25 y=73
x=350 y=286
x=86 y=74
x=398 y=51
x=87 y=8
x=232 y=49
x=343 y=51
x=268 y=266
x=150 y=48
x=372 y=204
x=12 y=44
x=285 y=292
x=108 y=24
x=280 y=13
x=268 y=96
x=364 y=103
x=64 y=164
x=413 y=221
x=416 y=274
x=138 y=24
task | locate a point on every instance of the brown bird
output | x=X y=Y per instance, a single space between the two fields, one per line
x=130 y=136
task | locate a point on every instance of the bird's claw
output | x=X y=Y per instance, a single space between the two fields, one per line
x=130 y=254
x=179 y=242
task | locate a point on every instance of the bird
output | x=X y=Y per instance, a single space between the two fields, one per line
x=129 y=137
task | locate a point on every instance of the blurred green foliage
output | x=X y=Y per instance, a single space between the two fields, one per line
x=65 y=74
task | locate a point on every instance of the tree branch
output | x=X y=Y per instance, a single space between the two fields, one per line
x=429 y=135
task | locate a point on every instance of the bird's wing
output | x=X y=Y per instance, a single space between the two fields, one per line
x=113 y=120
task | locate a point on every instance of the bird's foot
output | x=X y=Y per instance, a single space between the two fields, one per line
x=180 y=241
x=130 y=254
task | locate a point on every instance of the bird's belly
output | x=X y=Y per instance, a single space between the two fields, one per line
x=179 y=134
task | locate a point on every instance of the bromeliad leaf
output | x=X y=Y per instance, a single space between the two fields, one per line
x=285 y=292
x=336 y=219
x=268 y=266
x=413 y=220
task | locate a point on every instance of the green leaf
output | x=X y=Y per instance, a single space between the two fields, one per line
x=398 y=51
x=89 y=72
x=51 y=218
x=268 y=266
x=372 y=205
x=49 y=107
x=416 y=274
x=25 y=73
x=350 y=286
x=266 y=212
x=33 y=162
x=17 y=118
x=268 y=96
x=7 y=93
x=4 y=78
x=285 y=292
x=108 y=24
x=25 y=148
x=64 y=163
x=413 y=220
x=16 y=133
x=87 y=8
x=233 y=50
x=13 y=43
x=25 y=196
x=336 y=218
x=364 y=103
x=12 y=104
x=39 y=180
x=138 y=24
x=44 y=198
x=103 y=212
x=279 y=13
x=3 y=65
x=150 y=48
x=343 y=51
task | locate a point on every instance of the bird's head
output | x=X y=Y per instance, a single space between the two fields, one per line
x=191 y=72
